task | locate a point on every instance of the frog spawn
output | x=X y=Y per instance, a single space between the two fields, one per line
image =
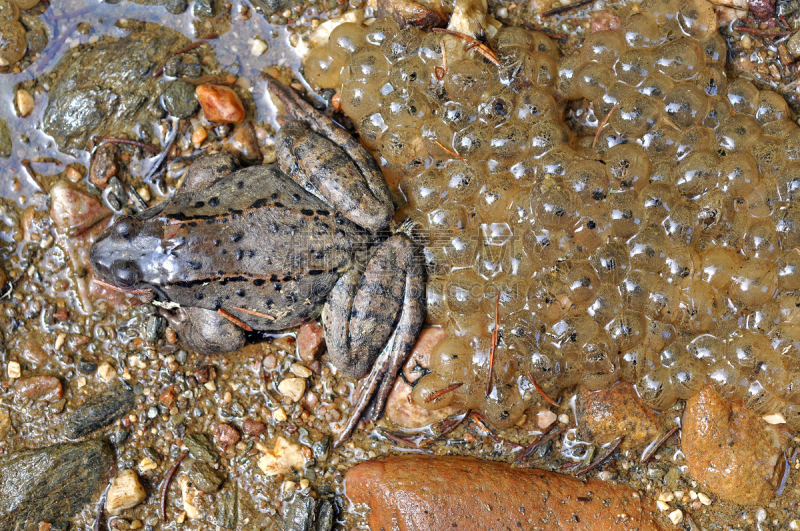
x=662 y=251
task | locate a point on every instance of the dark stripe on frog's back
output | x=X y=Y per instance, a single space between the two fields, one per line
x=257 y=240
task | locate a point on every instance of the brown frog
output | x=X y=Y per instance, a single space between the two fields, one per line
x=267 y=248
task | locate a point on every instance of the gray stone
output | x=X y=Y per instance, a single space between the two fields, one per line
x=99 y=412
x=201 y=448
x=270 y=7
x=309 y=514
x=5 y=140
x=179 y=100
x=109 y=88
x=228 y=513
x=204 y=477
x=51 y=484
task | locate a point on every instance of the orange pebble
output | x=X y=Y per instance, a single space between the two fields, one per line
x=219 y=103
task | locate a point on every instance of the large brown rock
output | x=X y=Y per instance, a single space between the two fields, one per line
x=603 y=416
x=734 y=453
x=421 y=493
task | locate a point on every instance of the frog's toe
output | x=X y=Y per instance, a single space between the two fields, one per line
x=207 y=170
x=208 y=332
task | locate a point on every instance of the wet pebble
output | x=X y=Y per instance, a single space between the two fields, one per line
x=179 y=100
x=603 y=416
x=204 y=477
x=104 y=166
x=47 y=388
x=220 y=103
x=718 y=440
x=125 y=492
x=201 y=448
x=52 y=483
x=252 y=427
x=99 y=411
x=310 y=341
x=226 y=435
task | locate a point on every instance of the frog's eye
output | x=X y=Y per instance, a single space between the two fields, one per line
x=126 y=273
x=127 y=227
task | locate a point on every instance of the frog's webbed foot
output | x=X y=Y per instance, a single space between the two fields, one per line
x=207 y=331
x=331 y=164
x=373 y=321
x=207 y=170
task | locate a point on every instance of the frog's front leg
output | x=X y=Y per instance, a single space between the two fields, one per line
x=373 y=320
x=207 y=331
x=327 y=161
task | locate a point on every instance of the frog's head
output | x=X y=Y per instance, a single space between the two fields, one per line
x=124 y=253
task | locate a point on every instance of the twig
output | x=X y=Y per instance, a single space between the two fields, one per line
x=449 y=152
x=101 y=505
x=397 y=439
x=603 y=125
x=566 y=8
x=127 y=142
x=480 y=47
x=783 y=21
x=530 y=27
x=187 y=48
x=117 y=288
x=546 y=437
x=651 y=450
x=442 y=392
x=253 y=312
x=167 y=481
x=602 y=458
x=762 y=33
x=495 y=338
x=541 y=391
x=235 y=320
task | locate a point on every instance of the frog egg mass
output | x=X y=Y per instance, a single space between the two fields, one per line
x=658 y=245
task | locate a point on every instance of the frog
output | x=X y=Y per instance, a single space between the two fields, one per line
x=267 y=248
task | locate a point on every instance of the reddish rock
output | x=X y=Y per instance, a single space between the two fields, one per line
x=168 y=397
x=762 y=9
x=220 y=103
x=225 y=435
x=73 y=210
x=605 y=20
x=310 y=341
x=205 y=374
x=422 y=493
x=33 y=353
x=253 y=427
x=46 y=388
x=603 y=416
x=738 y=456
x=104 y=166
x=400 y=408
x=243 y=143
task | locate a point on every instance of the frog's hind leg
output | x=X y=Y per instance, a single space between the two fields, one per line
x=327 y=161
x=207 y=170
x=373 y=321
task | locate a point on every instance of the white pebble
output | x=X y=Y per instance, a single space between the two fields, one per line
x=299 y=370
x=666 y=496
x=676 y=516
x=125 y=492
x=24 y=103
x=106 y=371
x=794 y=525
x=280 y=415
x=775 y=418
x=258 y=47
x=662 y=506
x=704 y=499
x=14 y=369
x=59 y=341
x=294 y=388
x=545 y=418
x=563 y=418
